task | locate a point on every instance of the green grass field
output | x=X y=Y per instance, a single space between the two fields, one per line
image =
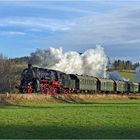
x=131 y=75
x=109 y=119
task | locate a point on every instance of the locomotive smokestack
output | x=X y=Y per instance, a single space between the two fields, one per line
x=30 y=66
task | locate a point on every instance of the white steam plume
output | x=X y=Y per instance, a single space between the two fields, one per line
x=92 y=62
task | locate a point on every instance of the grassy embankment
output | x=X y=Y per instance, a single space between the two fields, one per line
x=107 y=116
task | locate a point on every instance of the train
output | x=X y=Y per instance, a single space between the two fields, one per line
x=36 y=79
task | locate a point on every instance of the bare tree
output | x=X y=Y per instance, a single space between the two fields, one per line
x=7 y=75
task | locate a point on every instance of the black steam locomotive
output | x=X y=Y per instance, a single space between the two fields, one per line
x=36 y=79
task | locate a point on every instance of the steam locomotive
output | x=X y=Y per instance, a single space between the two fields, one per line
x=36 y=79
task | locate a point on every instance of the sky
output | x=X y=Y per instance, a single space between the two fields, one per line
x=26 y=25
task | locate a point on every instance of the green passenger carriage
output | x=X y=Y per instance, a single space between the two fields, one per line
x=121 y=86
x=85 y=83
x=106 y=85
x=133 y=87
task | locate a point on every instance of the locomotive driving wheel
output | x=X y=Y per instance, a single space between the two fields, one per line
x=50 y=90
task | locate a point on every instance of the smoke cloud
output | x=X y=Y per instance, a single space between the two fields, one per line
x=116 y=76
x=92 y=62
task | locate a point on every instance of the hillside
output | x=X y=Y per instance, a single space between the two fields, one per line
x=128 y=74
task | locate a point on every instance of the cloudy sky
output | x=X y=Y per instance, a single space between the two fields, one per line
x=74 y=25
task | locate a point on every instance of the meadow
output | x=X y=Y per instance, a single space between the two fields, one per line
x=111 y=118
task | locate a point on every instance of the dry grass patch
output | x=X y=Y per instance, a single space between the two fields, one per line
x=61 y=98
x=88 y=98
x=26 y=99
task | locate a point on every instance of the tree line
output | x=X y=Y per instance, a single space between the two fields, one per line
x=9 y=74
x=124 y=65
